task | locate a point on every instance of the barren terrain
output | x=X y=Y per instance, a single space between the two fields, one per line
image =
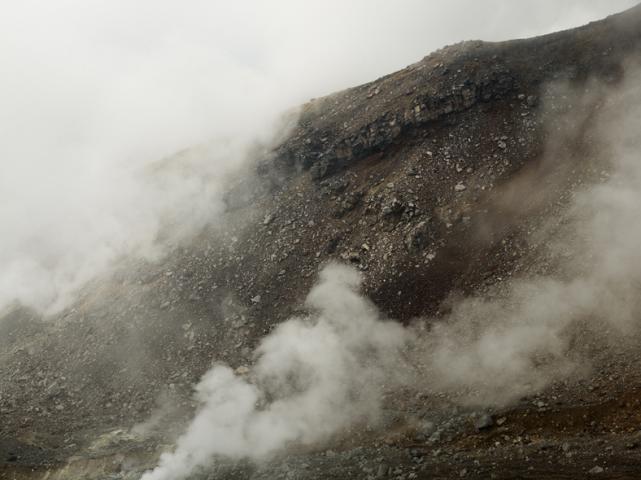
x=446 y=180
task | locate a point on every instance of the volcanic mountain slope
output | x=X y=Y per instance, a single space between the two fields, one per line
x=442 y=181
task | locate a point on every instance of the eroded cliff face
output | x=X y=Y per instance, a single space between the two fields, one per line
x=338 y=130
x=446 y=179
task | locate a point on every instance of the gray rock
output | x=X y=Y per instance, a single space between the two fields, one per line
x=382 y=471
x=418 y=238
x=348 y=204
x=484 y=422
x=394 y=206
x=426 y=428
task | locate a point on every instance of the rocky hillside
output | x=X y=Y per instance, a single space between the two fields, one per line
x=444 y=180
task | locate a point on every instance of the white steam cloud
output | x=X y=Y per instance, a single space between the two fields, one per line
x=502 y=349
x=95 y=92
x=313 y=377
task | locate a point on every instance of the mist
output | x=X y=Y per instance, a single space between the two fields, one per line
x=524 y=335
x=317 y=376
x=313 y=377
x=95 y=93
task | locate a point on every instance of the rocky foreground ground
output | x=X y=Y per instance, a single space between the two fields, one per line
x=446 y=179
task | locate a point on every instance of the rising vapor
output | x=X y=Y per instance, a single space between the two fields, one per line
x=318 y=375
x=95 y=93
x=314 y=376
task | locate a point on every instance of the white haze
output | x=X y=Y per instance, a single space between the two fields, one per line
x=94 y=92
x=313 y=376
x=317 y=376
x=499 y=350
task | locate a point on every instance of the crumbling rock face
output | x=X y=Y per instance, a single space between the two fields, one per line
x=352 y=125
x=338 y=130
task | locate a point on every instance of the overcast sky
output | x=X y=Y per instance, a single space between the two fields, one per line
x=92 y=89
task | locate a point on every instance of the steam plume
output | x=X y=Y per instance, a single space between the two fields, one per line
x=520 y=341
x=314 y=376
x=95 y=92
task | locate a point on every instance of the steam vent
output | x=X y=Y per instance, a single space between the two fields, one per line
x=434 y=275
